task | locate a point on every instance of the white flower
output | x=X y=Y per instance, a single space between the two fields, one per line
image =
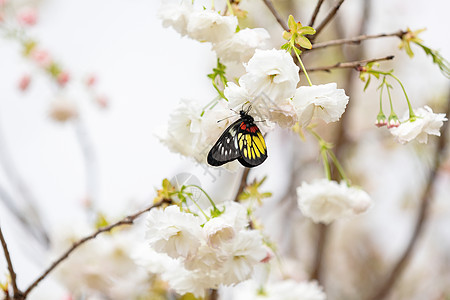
x=207 y=260
x=272 y=72
x=184 y=130
x=243 y=253
x=210 y=26
x=292 y=290
x=242 y=45
x=173 y=232
x=184 y=281
x=224 y=227
x=323 y=101
x=325 y=201
x=280 y=290
x=176 y=15
x=281 y=112
x=102 y=266
x=425 y=123
x=211 y=129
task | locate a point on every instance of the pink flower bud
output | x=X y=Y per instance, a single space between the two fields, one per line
x=27 y=16
x=393 y=121
x=91 y=80
x=381 y=120
x=42 y=58
x=24 y=82
x=63 y=78
x=102 y=101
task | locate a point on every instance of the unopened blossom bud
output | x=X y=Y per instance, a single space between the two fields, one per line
x=381 y=120
x=91 y=80
x=62 y=110
x=24 y=82
x=102 y=101
x=41 y=57
x=63 y=78
x=27 y=16
x=393 y=121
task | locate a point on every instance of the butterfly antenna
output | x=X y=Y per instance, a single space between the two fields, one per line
x=224 y=119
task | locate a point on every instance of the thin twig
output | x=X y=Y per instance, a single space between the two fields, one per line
x=125 y=221
x=348 y=65
x=316 y=11
x=17 y=292
x=243 y=183
x=357 y=39
x=401 y=264
x=319 y=253
x=277 y=16
x=27 y=199
x=328 y=18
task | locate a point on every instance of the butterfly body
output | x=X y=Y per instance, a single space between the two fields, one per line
x=243 y=141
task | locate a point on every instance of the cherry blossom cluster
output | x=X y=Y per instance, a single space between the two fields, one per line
x=198 y=252
x=103 y=268
x=206 y=25
x=269 y=84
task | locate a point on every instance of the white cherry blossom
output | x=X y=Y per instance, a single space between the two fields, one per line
x=242 y=45
x=173 y=232
x=425 y=123
x=210 y=26
x=272 y=73
x=176 y=15
x=325 y=102
x=325 y=201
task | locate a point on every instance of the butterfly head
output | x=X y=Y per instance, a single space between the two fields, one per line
x=245 y=116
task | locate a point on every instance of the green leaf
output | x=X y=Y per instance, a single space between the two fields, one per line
x=367 y=84
x=307 y=30
x=303 y=42
x=285 y=46
x=298 y=51
x=292 y=24
x=438 y=59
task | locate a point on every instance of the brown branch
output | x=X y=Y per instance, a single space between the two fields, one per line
x=16 y=291
x=328 y=18
x=348 y=65
x=357 y=39
x=340 y=141
x=125 y=221
x=316 y=11
x=320 y=249
x=243 y=183
x=277 y=16
x=401 y=264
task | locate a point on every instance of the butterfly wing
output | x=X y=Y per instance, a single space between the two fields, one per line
x=252 y=146
x=226 y=148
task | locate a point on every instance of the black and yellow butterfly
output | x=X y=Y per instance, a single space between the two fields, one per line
x=243 y=141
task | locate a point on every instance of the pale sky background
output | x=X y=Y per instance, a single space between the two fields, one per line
x=144 y=69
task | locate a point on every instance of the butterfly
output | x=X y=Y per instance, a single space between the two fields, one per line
x=243 y=141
